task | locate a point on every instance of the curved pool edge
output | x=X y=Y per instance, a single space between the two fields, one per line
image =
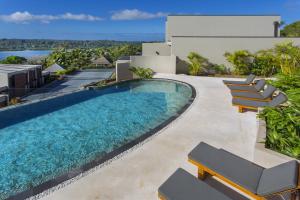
x=59 y=182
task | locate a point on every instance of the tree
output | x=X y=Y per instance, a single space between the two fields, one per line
x=14 y=60
x=291 y=30
x=196 y=63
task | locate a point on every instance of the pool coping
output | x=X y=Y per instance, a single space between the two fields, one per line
x=58 y=182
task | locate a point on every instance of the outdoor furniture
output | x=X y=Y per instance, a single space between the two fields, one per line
x=184 y=186
x=266 y=95
x=248 y=81
x=258 y=86
x=250 y=178
x=254 y=104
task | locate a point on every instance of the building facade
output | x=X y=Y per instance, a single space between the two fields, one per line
x=20 y=79
x=210 y=36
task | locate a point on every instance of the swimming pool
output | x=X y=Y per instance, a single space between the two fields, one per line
x=48 y=142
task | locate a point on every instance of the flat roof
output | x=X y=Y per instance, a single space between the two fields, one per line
x=19 y=66
x=13 y=69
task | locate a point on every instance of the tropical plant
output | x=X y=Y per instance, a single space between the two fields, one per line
x=197 y=62
x=288 y=57
x=264 y=63
x=144 y=73
x=14 y=60
x=61 y=72
x=241 y=61
x=283 y=123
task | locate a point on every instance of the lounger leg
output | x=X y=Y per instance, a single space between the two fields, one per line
x=201 y=174
x=241 y=109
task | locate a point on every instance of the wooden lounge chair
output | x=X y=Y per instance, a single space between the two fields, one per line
x=258 y=86
x=250 y=178
x=248 y=81
x=184 y=186
x=266 y=95
x=254 y=105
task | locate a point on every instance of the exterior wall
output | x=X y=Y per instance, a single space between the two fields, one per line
x=255 y=26
x=214 y=48
x=151 y=49
x=159 y=64
x=3 y=80
x=122 y=71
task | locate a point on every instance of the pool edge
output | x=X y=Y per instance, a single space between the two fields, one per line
x=57 y=183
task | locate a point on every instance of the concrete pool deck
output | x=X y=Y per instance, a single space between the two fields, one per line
x=138 y=174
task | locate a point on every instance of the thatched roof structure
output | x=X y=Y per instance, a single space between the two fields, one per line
x=101 y=61
x=54 y=68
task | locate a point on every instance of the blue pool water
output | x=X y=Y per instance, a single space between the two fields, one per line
x=43 y=140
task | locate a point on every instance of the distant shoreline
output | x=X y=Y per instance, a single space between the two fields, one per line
x=47 y=44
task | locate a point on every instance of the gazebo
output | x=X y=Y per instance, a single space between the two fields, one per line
x=101 y=61
x=53 y=69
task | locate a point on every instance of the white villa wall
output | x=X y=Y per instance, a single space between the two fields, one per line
x=151 y=49
x=159 y=64
x=3 y=80
x=214 y=48
x=255 y=26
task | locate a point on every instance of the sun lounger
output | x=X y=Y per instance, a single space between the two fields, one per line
x=248 y=81
x=250 y=178
x=266 y=95
x=184 y=186
x=254 y=105
x=248 y=88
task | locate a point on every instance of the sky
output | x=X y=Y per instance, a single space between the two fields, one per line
x=140 y=20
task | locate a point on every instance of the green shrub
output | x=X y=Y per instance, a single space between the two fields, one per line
x=196 y=64
x=145 y=73
x=264 y=64
x=220 y=69
x=14 y=60
x=241 y=61
x=288 y=57
x=283 y=123
x=61 y=72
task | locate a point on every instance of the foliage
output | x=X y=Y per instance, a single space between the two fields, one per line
x=70 y=58
x=283 y=123
x=241 y=61
x=61 y=72
x=264 y=64
x=220 y=69
x=14 y=60
x=284 y=58
x=140 y=72
x=20 y=44
x=288 y=57
x=291 y=30
x=196 y=64
x=81 y=58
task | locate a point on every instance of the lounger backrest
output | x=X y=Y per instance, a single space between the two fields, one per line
x=279 y=178
x=267 y=93
x=260 y=84
x=279 y=99
x=250 y=78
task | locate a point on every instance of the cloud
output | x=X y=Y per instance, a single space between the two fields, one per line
x=135 y=14
x=26 y=17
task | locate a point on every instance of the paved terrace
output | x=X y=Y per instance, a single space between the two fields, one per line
x=138 y=174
